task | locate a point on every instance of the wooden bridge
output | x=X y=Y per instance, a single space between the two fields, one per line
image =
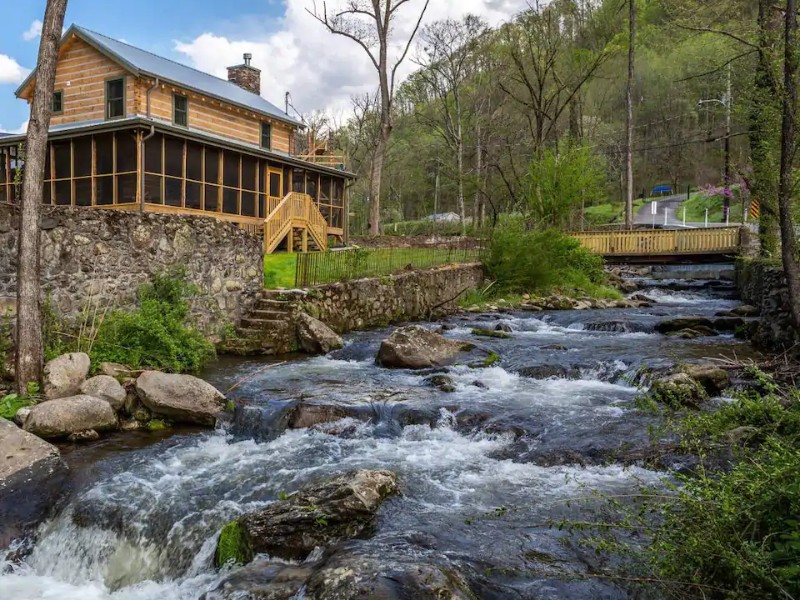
x=662 y=244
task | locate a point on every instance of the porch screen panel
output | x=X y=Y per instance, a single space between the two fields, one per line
x=194 y=175
x=104 y=168
x=82 y=170
x=230 y=179
x=3 y=173
x=63 y=170
x=154 y=169
x=249 y=168
x=212 y=179
x=173 y=171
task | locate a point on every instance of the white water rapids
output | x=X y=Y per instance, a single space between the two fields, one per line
x=145 y=527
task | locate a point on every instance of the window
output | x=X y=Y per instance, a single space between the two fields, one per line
x=115 y=98
x=58 y=102
x=266 y=136
x=180 y=110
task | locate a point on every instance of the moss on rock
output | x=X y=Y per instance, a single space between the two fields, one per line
x=233 y=546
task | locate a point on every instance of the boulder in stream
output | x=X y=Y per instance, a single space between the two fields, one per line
x=319 y=515
x=682 y=324
x=678 y=390
x=418 y=348
x=315 y=337
x=21 y=450
x=106 y=388
x=180 y=398
x=713 y=379
x=65 y=416
x=64 y=375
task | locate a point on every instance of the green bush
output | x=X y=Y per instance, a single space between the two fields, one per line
x=156 y=334
x=735 y=535
x=528 y=261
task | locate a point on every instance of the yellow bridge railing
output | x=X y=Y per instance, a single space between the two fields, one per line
x=714 y=240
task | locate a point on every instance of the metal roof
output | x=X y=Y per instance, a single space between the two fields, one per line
x=142 y=62
x=67 y=130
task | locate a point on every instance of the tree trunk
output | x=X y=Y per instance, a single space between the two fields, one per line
x=376 y=176
x=461 y=208
x=29 y=314
x=764 y=118
x=477 y=217
x=788 y=144
x=629 y=123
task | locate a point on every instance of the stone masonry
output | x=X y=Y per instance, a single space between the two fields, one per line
x=352 y=305
x=763 y=285
x=100 y=257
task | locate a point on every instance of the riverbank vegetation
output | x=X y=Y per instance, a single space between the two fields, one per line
x=728 y=527
x=156 y=334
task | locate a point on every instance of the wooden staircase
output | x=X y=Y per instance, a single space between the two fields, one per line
x=298 y=220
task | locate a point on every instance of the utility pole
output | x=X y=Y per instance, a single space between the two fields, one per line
x=726 y=212
x=629 y=106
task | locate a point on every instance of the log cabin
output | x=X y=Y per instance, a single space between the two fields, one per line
x=134 y=131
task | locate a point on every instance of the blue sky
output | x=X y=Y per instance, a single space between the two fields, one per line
x=294 y=52
x=155 y=25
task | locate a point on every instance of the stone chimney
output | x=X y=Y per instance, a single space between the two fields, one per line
x=245 y=76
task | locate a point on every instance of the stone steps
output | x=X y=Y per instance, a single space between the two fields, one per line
x=265 y=325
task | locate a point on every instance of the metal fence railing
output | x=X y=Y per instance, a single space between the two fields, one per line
x=314 y=268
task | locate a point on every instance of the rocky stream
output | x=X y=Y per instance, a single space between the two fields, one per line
x=488 y=455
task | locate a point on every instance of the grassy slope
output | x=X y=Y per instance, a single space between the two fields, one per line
x=696 y=209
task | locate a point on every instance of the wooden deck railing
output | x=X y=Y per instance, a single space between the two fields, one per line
x=714 y=240
x=296 y=210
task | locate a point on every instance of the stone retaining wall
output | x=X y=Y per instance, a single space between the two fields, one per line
x=102 y=256
x=763 y=285
x=376 y=302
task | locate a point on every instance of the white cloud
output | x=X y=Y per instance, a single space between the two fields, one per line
x=323 y=71
x=34 y=31
x=11 y=71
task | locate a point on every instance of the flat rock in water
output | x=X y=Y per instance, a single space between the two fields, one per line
x=64 y=375
x=418 y=348
x=106 y=388
x=685 y=323
x=315 y=337
x=319 y=515
x=65 y=416
x=21 y=450
x=180 y=398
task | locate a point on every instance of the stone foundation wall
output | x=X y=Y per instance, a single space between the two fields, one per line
x=763 y=285
x=92 y=256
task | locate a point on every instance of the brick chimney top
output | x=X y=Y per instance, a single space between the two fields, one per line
x=246 y=76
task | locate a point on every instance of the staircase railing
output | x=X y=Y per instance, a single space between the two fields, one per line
x=296 y=210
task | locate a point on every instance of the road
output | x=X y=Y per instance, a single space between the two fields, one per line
x=670 y=204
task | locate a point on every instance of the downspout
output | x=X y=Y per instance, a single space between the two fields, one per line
x=144 y=139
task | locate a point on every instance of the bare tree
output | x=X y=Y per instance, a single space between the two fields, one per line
x=446 y=61
x=540 y=78
x=369 y=23
x=29 y=314
x=791 y=67
x=629 y=125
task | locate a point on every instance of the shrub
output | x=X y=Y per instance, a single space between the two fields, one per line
x=156 y=334
x=526 y=261
x=735 y=535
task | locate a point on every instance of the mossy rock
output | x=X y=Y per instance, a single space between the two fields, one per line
x=157 y=425
x=491 y=333
x=678 y=391
x=233 y=546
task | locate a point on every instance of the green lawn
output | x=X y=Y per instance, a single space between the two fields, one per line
x=279 y=270
x=610 y=212
x=698 y=203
